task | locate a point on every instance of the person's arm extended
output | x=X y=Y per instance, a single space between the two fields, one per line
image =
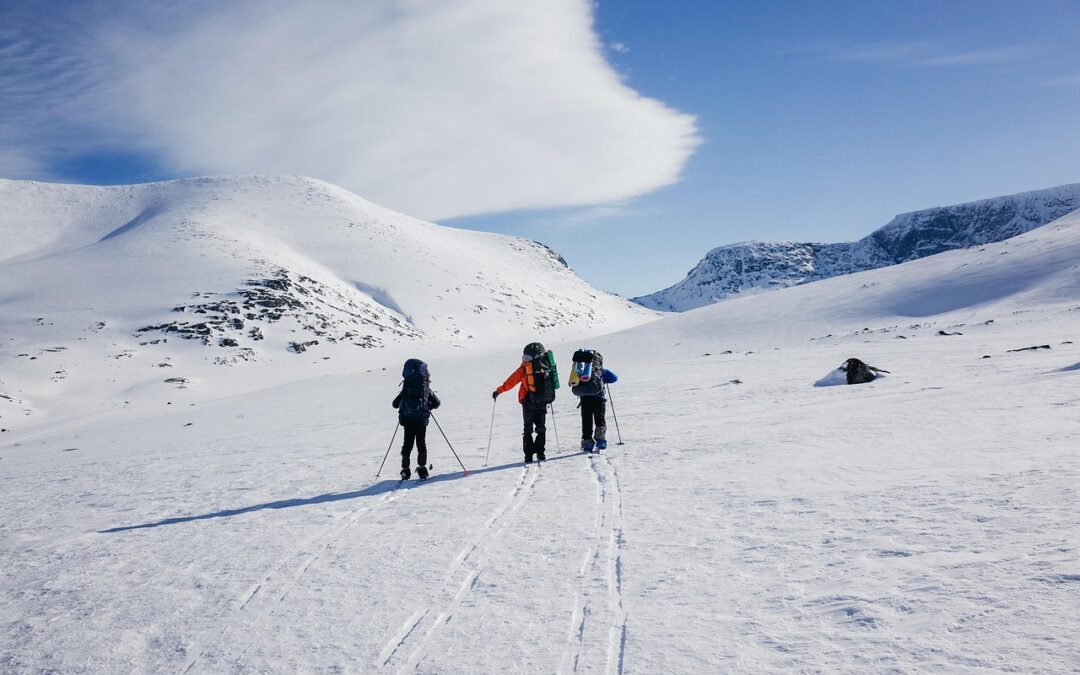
x=514 y=379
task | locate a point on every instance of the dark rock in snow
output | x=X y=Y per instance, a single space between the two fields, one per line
x=320 y=310
x=300 y=347
x=851 y=371
x=858 y=372
x=1029 y=349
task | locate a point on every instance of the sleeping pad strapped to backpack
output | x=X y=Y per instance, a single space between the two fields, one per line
x=587 y=379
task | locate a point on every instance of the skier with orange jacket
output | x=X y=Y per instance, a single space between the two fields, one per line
x=537 y=380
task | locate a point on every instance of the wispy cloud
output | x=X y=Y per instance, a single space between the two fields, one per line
x=437 y=109
x=1067 y=81
x=586 y=216
x=911 y=54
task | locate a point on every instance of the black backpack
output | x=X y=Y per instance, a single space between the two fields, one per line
x=593 y=363
x=415 y=391
x=541 y=378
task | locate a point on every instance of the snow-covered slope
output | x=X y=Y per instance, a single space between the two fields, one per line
x=125 y=288
x=1036 y=269
x=751 y=522
x=755 y=266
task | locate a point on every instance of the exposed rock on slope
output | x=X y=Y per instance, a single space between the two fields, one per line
x=757 y=266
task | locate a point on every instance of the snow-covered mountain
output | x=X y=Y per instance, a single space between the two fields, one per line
x=128 y=286
x=758 y=266
x=921 y=523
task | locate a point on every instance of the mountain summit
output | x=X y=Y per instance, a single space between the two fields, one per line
x=752 y=267
x=134 y=284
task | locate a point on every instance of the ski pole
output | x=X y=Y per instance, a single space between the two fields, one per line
x=613 y=415
x=558 y=446
x=388 y=449
x=448 y=443
x=488 y=455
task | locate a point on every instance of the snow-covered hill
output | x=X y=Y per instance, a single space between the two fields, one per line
x=756 y=266
x=750 y=523
x=135 y=291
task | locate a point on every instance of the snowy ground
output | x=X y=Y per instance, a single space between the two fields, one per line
x=751 y=523
x=925 y=521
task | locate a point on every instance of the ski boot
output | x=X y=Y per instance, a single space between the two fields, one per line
x=422 y=472
x=528 y=459
x=540 y=456
x=405 y=474
x=587 y=446
x=601 y=444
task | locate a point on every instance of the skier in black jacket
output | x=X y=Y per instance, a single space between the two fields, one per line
x=414 y=405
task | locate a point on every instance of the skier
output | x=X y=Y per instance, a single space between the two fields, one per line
x=537 y=380
x=587 y=381
x=414 y=405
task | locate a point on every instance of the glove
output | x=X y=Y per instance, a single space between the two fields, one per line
x=494 y=394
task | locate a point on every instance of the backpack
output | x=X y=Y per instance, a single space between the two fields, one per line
x=541 y=375
x=415 y=391
x=588 y=376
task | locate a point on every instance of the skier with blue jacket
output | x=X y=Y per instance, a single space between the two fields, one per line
x=587 y=381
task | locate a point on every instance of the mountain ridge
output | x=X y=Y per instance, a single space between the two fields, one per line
x=753 y=267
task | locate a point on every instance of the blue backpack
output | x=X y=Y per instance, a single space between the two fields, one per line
x=415 y=391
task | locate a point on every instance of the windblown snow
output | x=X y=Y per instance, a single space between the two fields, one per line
x=751 y=522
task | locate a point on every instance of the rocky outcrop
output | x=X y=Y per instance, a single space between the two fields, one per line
x=753 y=267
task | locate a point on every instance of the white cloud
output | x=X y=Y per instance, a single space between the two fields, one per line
x=577 y=218
x=911 y=54
x=438 y=109
x=619 y=47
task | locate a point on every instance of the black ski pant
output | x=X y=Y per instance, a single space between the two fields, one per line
x=534 y=417
x=593 y=409
x=415 y=431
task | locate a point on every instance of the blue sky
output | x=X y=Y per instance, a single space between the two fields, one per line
x=823 y=120
x=700 y=124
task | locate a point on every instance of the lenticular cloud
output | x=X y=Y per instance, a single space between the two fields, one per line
x=438 y=109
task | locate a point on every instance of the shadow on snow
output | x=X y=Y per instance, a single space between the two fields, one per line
x=379 y=488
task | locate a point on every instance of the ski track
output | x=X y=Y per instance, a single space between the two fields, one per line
x=242 y=617
x=453 y=593
x=606 y=576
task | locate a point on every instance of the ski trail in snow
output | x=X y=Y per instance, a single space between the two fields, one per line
x=407 y=629
x=471 y=558
x=582 y=607
x=273 y=589
x=617 y=632
x=601 y=572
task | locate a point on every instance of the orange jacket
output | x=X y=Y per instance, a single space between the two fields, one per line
x=518 y=377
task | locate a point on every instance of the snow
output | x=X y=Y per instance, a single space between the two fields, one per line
x=100 y=286
x=833 y=378
x=751 y=522
x=754 y=267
